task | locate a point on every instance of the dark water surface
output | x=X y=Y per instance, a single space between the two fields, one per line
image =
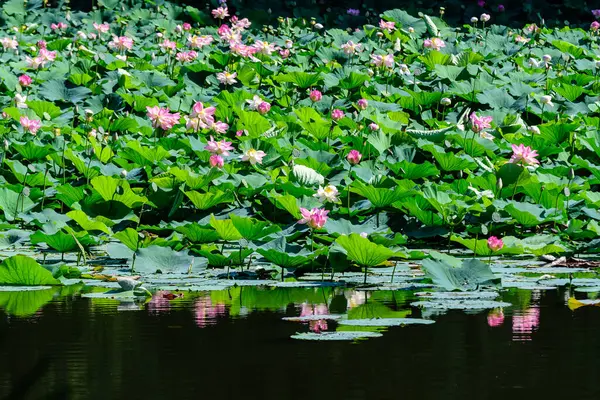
x=200 y=347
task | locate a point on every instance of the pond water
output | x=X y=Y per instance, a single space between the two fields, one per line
x=234 y=344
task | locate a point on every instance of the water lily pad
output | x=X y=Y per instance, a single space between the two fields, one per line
x=308 y=318
x=386 y=322
x=23 y=288
x=336 y=336
x=457 y=295
x=592 y=289
x=461 y=304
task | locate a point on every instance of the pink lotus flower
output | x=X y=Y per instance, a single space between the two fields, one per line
x=265 y=48
x=596 y=13
x=337 y=114
x=197 y=42
x=220 y=147
x=168 y=45
x=205 y=113
x=46 y=56
x=101 y=28
x=216 y=161
x=224 y=30
x=60 y=25
x=523 y=155
x=478 y=124
x=387 y=25
x=362 y=104
x=9 y=44
x=162 y=118
x=206 y=313
x=351 y=48
x=495 y=318
x=315 y=218
x=594 y=26
x=383 y=61
x=187 y=26
x=320 y=309
x=254 y=156
x=186 y=56
x=240 y=24
x=219 y=127
x=284 y=53
x=373 y=126
x=220 y=13
x=354 y=157
x=434 y=43
x=25 y=80
x=495 y=244
x=315 y=96
x=227 y=78
x=34 y=63
x=30 y=125
x=121 y=43
x=263 y=107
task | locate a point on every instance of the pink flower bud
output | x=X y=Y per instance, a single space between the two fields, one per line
x=263 y=107
x=216 y=161
x=316 y=95
x=25 y=80
x=362 y=104
x=354 y=157
x=337 y=114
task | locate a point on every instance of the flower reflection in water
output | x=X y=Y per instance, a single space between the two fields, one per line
x=206 y=313
x=495 y=318
x=159 y=303
x=318 y=309
x=524 y=323
x=356 y=298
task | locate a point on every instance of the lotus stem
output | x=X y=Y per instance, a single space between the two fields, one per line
x=394 y=271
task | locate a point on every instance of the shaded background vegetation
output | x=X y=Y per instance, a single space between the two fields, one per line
x=334 y=12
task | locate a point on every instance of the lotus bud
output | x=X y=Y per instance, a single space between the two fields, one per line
x=115 y=136
x=5 y=144
x=547 y=58
x=318 y=26
x=474 y=20
x=500 y=183
x=484 y=17
x=397 y=45
x=411 y=29
x=445 y=101
x=26 y=191
x=124 y=173
x=571 y=174
x=370 y=72
x=534 y=129
x=380 y=34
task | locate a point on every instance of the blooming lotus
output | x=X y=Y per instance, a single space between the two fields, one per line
x=186 y=56
x=264 y=47
x=168 y=45
x=216 y=161
x=60 y=25
x=254 y=156
x=354 y=157
x=328 y=193
x=30 y=125
x=547 y=100
x=386 y=60
x=227 y=78
x=9 y=44
x=337 y=114
x=351 y=48
x=315 y=218
x=121 y=43
x=434 y=43
x=101 y=28
x=34 y=63
x=254 y=102
x=387 y=25
x=162 y=118
x=240 y=24
x=197 y=42
x=220 y=12
x=219 y=127
x=523 y=155
x=220 y=147
x=20 y=100
x=494 y=243
x=478 y=124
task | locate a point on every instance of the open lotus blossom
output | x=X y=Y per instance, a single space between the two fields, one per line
x=484 y=17
x=284 y=53
x=60 y=25
x=186 y=56
x=9 y=44
x=220 y=13
x=220 y=147
x=521 y=39
x=162 y=118
x=46 y=55
x=328 y=193
x=263 y=47
x=205 y=113
x=227 y=78
x=478 y=124
x=362 y=104
x=434 y=43
x=254 y=102
x=30 y=125
x=219 y=127
x=224 y=31
x=20 y=100
x=337 y=114
x=216 y=161
x=254 y=156
x=351 y=48
x=121 y=43
x=35 y=62
x=387 y=25
x=101 y=28
x=386 y=60
x=495 y=318
x=25 y=80
x=495 y=244
x=168 y=45
x=240 y=24
x=197 y=42
x=354 y=157
x=315 y=218
x=523 y=155
x=315 y=95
